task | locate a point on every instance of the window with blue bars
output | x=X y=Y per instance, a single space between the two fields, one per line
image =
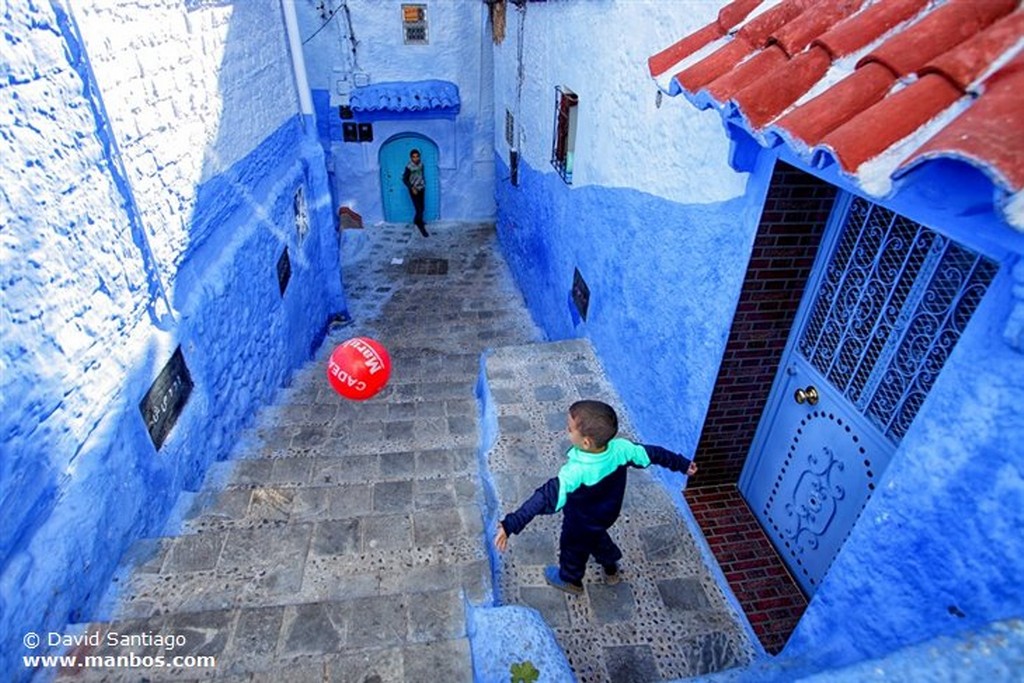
x=564 y=137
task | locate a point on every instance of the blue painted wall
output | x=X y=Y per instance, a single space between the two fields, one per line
x=241 y=340
x=663 y=278
x=97 y=295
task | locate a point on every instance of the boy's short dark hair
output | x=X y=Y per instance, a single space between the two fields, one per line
x=595 y=419
x=413 y=151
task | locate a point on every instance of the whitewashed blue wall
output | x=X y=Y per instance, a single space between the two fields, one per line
x=152 y=151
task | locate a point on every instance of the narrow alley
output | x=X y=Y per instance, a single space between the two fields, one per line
x=784 y=238
x=345 y=541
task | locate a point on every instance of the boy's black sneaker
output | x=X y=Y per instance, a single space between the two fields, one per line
x=553 y=578
x=612 y=575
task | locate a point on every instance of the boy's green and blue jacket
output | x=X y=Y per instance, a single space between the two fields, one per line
x=590 y=486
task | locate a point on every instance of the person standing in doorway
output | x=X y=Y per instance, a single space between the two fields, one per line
x=413 y=179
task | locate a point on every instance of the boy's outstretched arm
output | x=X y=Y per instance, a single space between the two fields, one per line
x=668 y=459
x=542 y=502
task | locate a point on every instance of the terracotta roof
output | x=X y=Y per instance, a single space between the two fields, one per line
x=880 y=87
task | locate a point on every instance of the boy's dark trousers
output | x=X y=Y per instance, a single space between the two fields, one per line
x=418 y=203
x=576 y=547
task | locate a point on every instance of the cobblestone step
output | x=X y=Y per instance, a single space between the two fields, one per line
x=417 y=637
x=249 y=506
x=667 y=618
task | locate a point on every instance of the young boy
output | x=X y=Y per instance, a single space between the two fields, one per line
x=589 y=488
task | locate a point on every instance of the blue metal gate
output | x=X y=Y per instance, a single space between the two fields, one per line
x=883 y=311
x=394 y=155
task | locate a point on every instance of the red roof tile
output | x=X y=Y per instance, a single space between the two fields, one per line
x=728 y=17
x=878 y=127
x=735 y=12
x=789 y=72
x=661 y=62
x=963 y=64
x=764 y=99
x=990 y=134
x=837 y=105
x=798 y=34
x=758 y=30
x=707 y=70
x=864 y=27
x=751 y=37
x=942 y=29
x=755 y=68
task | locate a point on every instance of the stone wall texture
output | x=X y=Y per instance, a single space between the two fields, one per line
x=156 y=170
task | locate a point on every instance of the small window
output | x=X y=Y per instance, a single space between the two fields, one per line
x=510 y=125
x=564 y=139
x=414 y=24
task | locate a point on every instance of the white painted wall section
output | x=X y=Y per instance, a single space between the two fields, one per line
x=677 y=152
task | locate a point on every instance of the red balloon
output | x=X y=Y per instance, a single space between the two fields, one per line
x=359 y=368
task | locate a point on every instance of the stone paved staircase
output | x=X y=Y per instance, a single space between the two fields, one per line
x=346 y=541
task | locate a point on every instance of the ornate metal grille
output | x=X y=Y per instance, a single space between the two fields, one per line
x=892 y=304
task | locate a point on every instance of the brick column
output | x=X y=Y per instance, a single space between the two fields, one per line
x=794 y=217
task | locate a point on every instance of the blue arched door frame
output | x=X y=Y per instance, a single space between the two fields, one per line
x=393 y=156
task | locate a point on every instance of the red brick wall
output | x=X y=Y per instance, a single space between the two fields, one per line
x=760 y=581
x=795 y=212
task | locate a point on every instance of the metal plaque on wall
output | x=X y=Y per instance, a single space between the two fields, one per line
x=580 y=293
x=284 y=270
x=166 y=398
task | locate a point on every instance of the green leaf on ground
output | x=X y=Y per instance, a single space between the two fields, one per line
x=524 y=672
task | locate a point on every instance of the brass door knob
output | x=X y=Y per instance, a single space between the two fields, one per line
x=810 y=395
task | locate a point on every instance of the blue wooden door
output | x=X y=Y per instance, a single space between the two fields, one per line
x=887 y=302
x=394 y=155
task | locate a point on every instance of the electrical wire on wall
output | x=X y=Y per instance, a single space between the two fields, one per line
x=327 y=14
x=516 y=138
x=346 y=34
x=322 y=8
